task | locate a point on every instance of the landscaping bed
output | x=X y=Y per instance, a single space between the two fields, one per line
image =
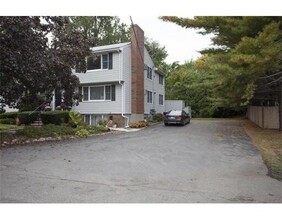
x=50 y=132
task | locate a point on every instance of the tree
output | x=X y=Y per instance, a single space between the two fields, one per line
x=103 y=30
x=157 y=52
x=31 y=64
x=246 y=49
x=189 y=84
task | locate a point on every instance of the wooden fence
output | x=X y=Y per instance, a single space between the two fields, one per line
x=264 y=116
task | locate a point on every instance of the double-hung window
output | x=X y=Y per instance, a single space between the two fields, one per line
x=149 y=97
x=161 y=99
x=161 y=79
x=99 y=62
x=149 y=73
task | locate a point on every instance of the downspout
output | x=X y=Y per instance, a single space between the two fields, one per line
x=122 y=87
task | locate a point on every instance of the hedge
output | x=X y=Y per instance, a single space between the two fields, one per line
x=9 y=115
x=55 y=117
x=8 y=121
x=27 y=117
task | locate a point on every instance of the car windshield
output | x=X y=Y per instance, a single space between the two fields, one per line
x=174 y=112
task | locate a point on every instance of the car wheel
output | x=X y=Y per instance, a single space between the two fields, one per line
x=166 y=124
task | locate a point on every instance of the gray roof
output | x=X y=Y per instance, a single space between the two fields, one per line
x=109 y=47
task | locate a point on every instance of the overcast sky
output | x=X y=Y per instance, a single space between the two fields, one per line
x=181 y=44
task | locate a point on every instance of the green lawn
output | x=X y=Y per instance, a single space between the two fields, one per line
x=4 y=127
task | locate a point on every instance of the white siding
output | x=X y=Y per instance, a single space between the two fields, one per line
x=101 y=107
x=153 y=86
x=160 y=90
x=126 y=77
x=104 y=75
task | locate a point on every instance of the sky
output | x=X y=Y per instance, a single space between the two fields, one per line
x=181 y=44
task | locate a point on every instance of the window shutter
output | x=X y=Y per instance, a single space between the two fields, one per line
x=110 y=60
x=113 y=92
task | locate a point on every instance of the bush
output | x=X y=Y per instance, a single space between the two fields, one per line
x=55 y=117
x=9 y=115
x=96 y=129
x=82 y=133
x=75 y=119
x=30 y=102
x=28 y=117
x=139 y=124
x=46 y=131
x=8 y=121
x=158 y=117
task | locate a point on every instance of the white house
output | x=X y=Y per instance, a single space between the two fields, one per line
x=122 y=82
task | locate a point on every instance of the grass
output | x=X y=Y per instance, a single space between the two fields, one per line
x=269 y=142
x=6 y=127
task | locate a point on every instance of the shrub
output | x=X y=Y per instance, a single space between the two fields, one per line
x=8 y=121
x=55 y=117
x=75 y=118
x=139 y=124
x=9 y=115
x=46 y=131
x=96 y=129
x=82 y=133
x=158 y=117
x=28 y=117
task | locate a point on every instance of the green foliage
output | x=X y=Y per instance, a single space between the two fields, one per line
x=75 y=117
x=157 y=52
x=30 y=102
x=103 y=30
x=4 y=128
x=158 y=117
x=246 y=58
x=9 y=121
x=45 y=131
x=28 y=117
x=55 y=117
x=9 y=115
x=31 y=65
x=82 y=133
x=95 y=129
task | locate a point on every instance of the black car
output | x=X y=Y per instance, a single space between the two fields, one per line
x=176 y=117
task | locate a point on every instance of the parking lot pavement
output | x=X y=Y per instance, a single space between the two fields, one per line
x=205 y=162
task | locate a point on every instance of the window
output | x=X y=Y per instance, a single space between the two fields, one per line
x=149 y=73
x=105 y=61
x=149 y=97
x=95 y=93
x=85 y=94
x=161 y=79
x=93 y=62
x=161 y=99
x=110 y=92
x=97 y=62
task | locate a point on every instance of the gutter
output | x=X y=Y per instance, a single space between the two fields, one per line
x=122 y=87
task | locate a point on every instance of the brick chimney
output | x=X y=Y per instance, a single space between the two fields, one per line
x=137 y=67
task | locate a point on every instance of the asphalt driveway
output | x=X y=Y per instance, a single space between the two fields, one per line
x=205 y=161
